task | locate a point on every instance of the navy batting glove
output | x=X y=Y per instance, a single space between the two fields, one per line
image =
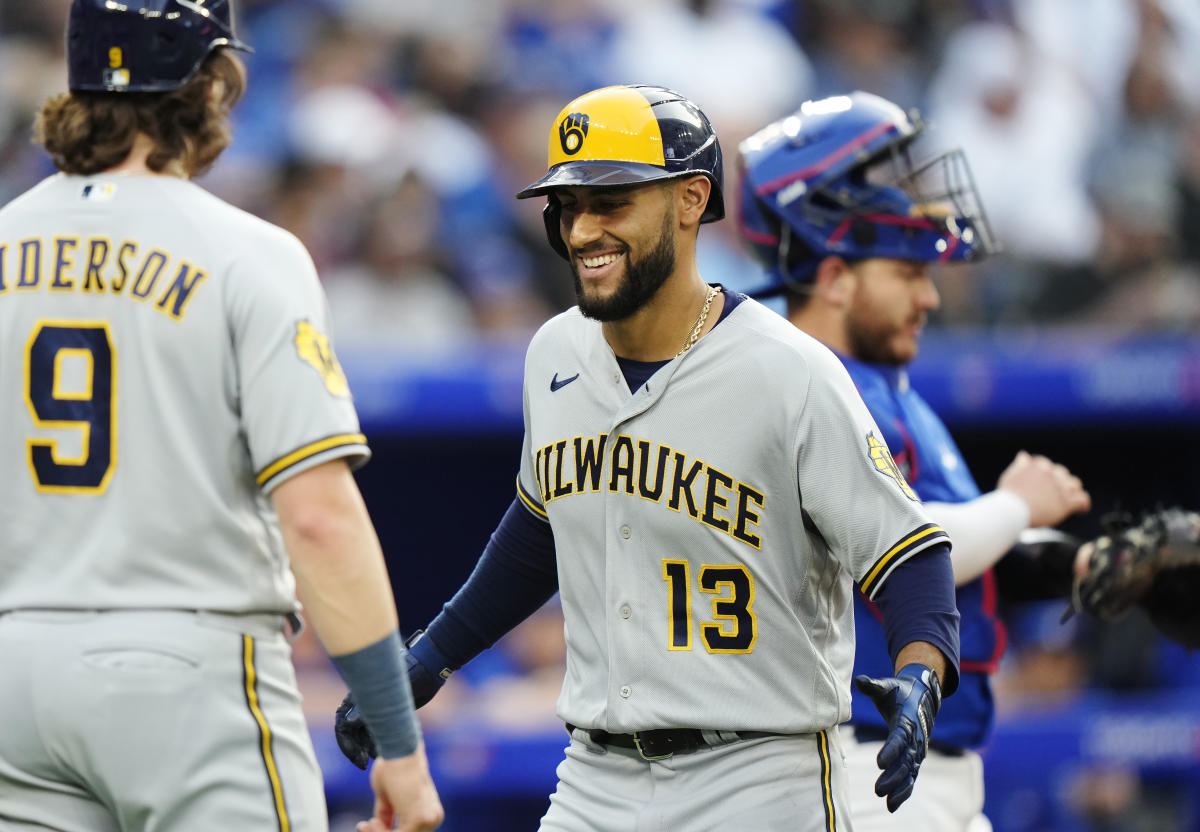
x=908 y=701
x=354 y=737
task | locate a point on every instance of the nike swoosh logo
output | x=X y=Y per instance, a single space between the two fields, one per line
x=555 y=384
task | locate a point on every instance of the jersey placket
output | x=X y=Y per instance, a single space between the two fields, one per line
x=629 y=576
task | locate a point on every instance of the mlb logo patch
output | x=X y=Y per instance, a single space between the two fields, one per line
x=99 y=191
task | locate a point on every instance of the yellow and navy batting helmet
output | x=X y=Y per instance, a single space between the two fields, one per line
x=628 y=135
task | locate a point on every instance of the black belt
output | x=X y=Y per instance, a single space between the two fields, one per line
x=661 y=743
x=876 y=733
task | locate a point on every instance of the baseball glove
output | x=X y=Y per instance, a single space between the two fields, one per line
x=1154 y=564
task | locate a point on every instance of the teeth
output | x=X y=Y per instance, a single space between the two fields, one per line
x=603 y=260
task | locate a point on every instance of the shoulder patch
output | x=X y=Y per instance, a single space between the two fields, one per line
x=881 y=458
x=313 y=347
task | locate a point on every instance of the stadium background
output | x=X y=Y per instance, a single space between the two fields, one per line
x=390 y=136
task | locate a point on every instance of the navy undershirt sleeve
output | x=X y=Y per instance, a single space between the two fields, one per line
x=516 y=574
x=917 y=602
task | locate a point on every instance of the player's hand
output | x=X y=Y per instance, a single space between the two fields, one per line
x=909 y=701
x=1051 y=491
x=405 y=798
x=353 y=736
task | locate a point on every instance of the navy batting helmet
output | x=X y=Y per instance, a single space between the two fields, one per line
x=144 y=45
x=627 y=135
x=835 y=178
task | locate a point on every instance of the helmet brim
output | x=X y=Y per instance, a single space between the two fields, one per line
x=598 y=175
x=234 y=43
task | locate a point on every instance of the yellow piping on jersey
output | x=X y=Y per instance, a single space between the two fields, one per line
x=867 y=585
x=264 y=731
x=826 y=782
x=529 y=503
x=308 y=450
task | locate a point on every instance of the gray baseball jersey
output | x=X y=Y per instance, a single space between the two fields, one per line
x=710 y=527
x=165 y=367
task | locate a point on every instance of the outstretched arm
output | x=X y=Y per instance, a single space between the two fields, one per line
x=342 y=577
x=1032 y=492
x=921 y=622
x=516 y=574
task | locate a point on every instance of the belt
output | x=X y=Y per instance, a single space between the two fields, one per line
x=876 y=733
x=661 y=743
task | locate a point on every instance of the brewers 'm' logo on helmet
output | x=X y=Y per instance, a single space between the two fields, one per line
x=572 y=132
x=628 y=135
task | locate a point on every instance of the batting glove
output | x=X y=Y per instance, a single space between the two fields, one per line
x=908 y=701
x=353 y=736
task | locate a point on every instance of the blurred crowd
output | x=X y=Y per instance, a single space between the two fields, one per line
x=390 y=137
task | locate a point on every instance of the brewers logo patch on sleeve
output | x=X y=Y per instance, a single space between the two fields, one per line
x=313 y=347
x=881 y=457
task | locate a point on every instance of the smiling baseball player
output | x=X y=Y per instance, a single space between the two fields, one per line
x=704 y=486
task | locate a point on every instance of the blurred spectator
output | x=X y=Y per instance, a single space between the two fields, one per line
x=517 y=126
x=1188 y=219
x=1028 y=129
x=556 y=46
x=879 y=46
x=1136 y=179
x=397 y=294
x=743 y=68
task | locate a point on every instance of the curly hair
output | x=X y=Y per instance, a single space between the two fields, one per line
x=88 y=132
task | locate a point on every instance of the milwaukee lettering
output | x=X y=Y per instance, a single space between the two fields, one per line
x=622 y=464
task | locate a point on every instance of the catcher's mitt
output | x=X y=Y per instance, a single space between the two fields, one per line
x=1154 y=564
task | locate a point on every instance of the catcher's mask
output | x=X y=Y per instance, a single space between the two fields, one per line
x=627 y=135
x=144 y=45
x=836 y=178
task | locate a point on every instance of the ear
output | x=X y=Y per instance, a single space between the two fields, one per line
x=835 y=282
x=691 y=198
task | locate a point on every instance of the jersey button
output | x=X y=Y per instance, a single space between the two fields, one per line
x=626 y=532
x=626 y=691
x=626 y=611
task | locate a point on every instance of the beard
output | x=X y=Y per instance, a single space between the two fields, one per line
x=642 y=281
x=872 y=339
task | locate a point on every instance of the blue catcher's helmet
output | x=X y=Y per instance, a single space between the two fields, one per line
x=835 y=179
x=144 y=45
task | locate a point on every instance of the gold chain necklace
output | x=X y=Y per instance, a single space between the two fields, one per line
x=691 y=341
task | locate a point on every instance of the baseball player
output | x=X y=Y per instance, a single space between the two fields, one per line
x=846 y=226
x=702 y=484
x=179 y=437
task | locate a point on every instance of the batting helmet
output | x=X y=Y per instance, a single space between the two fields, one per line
x=835 y=178
x=144 y=45
x=627 y=135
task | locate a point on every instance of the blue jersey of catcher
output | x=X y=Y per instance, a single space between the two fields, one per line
x=934 y=467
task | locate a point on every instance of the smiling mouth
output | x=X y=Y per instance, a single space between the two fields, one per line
x=598 y=261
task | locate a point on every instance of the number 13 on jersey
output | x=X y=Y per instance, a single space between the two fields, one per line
x=733 y=627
